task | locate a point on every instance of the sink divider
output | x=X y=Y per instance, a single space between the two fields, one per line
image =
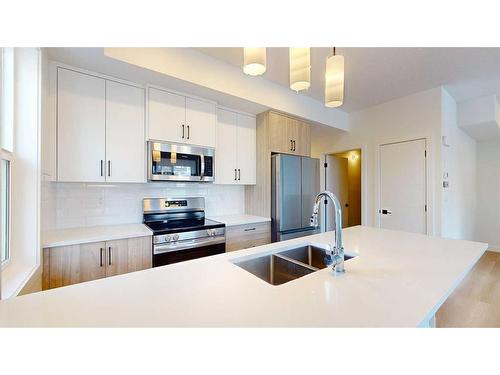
x=289 y=260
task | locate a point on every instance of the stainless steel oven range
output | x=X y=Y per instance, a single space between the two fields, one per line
x=181 y=231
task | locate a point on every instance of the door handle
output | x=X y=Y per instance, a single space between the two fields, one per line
x=100 y=262
x=109 y=256
x=294 y=148
x=182 y=131
x=102 y=168
x=291 y=145
x=235 y=175
x=239 y=174
x=385 y=212
x=109 y=168
x=188 y=132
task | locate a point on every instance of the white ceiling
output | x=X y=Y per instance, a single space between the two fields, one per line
x=377 y=75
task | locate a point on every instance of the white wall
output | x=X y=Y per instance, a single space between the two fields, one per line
x=488 y=193
x=459 y=169
x=410 y=117
x=67 y=205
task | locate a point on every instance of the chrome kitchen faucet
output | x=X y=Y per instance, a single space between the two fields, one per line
x=337 y=252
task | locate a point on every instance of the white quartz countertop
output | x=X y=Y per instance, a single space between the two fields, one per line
x=73 y=236
x=242 y=219
x=397 y=280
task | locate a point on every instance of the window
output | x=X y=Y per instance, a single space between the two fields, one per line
x=5 y=207
x=6 y=147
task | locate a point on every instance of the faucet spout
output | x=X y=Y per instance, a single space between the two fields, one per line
x=338 y=250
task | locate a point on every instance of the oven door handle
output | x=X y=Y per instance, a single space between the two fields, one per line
x=188 y=244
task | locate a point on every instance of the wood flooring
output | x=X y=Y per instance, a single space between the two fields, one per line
x=476 y=302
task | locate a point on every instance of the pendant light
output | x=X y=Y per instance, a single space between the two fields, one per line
x=300 y=68
x=254 y=61
x=334 y=80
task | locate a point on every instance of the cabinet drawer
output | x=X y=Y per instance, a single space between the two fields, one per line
x=248 y=235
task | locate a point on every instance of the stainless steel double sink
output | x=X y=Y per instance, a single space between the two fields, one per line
x=287 y=265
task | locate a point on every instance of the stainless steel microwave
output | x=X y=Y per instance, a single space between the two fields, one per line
x=176 y=162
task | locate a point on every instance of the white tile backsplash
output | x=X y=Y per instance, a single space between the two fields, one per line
x=69 y=205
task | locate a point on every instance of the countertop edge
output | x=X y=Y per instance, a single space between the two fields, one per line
x=94 y=234
x=241 y=219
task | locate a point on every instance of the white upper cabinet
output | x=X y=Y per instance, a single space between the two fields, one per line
x=100 y=129
x=180 y=119
x=167 y=116
x=125 y=146
x=247 y=149
x=235 y=155
x=81 y=112
x=226 y=163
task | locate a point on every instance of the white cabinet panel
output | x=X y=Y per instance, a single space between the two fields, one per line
x=125 y=142
x=200 y=122
x=246 y=150
x=235 y=154
x=226 y=147
x=167 y=115
x=81 y=127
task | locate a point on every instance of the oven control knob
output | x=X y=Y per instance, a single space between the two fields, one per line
x=211 y=232
x=175 y=237
x=168 y=238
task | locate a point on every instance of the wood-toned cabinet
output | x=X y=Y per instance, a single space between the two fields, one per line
x=67 y=265
x=288 y=135
x=276 y=133
x=129 y=255
x=176 y=118
x=235 y=157
x=100 y=129
x=249 y=235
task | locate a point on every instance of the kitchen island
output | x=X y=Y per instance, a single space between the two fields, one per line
x=397 y=279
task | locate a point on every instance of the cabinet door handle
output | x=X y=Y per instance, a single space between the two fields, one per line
x=188 y=132
x=294 y=148
x=235 y=175
x=239 y=174
x=109 y=256
x=102 y=168
x=182 y=131
x=291 y=145
x=100 y=262
x=249 y=229
x=109 y=168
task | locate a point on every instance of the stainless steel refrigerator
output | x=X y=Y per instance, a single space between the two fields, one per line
x=294 y=186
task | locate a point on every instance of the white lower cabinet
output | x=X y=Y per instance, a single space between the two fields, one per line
x=235 y=155
x=100 y=129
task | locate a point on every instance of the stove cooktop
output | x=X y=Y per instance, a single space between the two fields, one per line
x=184 y=225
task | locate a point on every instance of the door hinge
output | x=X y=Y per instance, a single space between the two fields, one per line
x=325 y=165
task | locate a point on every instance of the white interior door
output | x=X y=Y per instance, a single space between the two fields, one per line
x=200 y=122
x=125 y=142
x=247 y=149
x=226 y=162
x=167 y=115
x=403 y=186
x=337 y=183
x=80 y=127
